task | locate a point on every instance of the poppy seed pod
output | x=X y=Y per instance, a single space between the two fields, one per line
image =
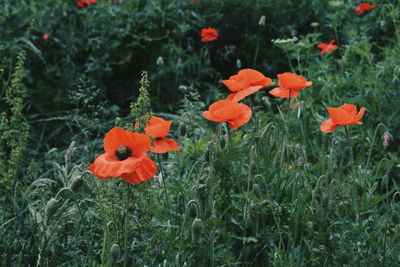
x=51 y=208
x=76 y=183
x=197 y=228
x=115 y=252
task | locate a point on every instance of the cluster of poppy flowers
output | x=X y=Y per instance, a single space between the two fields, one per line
x=126 y=152
x=249 y=81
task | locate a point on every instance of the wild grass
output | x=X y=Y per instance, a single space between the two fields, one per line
x=276 y=192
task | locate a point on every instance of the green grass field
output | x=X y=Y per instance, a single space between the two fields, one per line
x=255 y=182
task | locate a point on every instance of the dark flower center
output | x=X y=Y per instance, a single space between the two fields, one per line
x=158 y=138
x=123 y=152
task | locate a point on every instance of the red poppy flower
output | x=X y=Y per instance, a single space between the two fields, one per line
x=290 y=84
x=325 y=48
x=246 y=82
x=343 y=115
x=46 y=37
x=208 y=35
x=363 y=7
x=234 y=113
x=158 y=129
x=85 y=3
x=125 y=157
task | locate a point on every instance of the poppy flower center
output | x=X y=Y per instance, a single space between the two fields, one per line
x=123 y=152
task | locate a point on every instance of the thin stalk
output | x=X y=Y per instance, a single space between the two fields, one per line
x=165 y=186
x=127 y=193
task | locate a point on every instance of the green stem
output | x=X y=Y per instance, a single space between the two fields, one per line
x=230 y=139
x=165 y=186
x=127 y=193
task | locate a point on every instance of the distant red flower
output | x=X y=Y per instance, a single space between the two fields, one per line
x=46 y=37
x=364 y=7
x=125 y=157
x=245 y=83
x=158 y=129
x=195 y=1
x=208 y=35
x=343 y=115
x=326 y=48
x=85 y=3
x=235 y=114
x=290 y=85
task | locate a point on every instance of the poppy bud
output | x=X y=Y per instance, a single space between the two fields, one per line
x=51 y=208
x=386 y=139
x=238 y=63
x=256 y=190
x=314 y=24
x=182 y=88
x=261 y=22
x=197 y=228
x=115 y=252
x=76 y=183
x=300 y=162
x=160 y=61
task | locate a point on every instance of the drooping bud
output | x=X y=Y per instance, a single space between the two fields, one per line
x=160 y=61
x=256 y=190
x=76 y=183
x=386 y=139
x=197 y=228
x=262 y=20
x=238 y=63
x=51 y=208
x=314 y=24
x=115 y=252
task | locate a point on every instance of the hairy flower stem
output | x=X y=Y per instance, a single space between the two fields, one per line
x=349 y=145
x=230 y=140
x=165 y=186
x=127 y=193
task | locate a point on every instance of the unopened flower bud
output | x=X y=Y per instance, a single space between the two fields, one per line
x=256 y=190
x=160 y=61
x=386 y=139
x=197 y=228
x=238 y=63
x=115 y=252
x=76 y=183
x=51 y=208
x=314 y=24
x=261 y=22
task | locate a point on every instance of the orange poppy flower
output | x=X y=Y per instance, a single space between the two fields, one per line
x=85 y=3
x=290 y=84
x=234 y=113
x=46 y=37
x=158 y=129
x=326 y=48
x=245 y=83
x=364 y=7
x=208 y=35
x=125 y=157
x=343 y=115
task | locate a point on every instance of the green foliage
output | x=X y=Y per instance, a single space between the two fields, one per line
x=14 y=133
x=276 y=192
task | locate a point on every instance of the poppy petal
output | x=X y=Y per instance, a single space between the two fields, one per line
x=145 y=170
x=351 y=109
x=116 y=137
x=328 y=126
x=280 y=92
x=105 y=166
x=158 y=127
x=211 y=117
x=164 y=145
x=244 y=93
x=232 y=85
x=322 y=46
x=244 y=118
x=338 y=116
x=360 y=114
